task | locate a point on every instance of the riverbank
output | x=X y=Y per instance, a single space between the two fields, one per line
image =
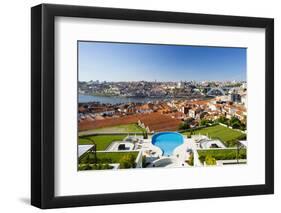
x=122 y=99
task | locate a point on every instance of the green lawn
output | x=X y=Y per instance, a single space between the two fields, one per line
x=222 y=154
x=106 y=157
x=102 y=141
x=227 y=135
x=115 y=129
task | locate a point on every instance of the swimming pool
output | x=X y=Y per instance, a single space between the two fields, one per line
x=167 y=141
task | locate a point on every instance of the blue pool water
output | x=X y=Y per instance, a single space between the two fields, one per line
x=167 y=141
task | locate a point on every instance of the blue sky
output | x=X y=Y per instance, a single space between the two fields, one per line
x=107 y=61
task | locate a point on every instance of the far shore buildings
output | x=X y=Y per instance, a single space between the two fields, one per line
x=192 y=102
x=159 y=116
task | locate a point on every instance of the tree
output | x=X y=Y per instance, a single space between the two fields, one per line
x=204 y=122
x=234 y=120
x=192 y=132
x=243 y=126
x=184 y=126
x=145 y=136
x=223 y=120
x=236 y=125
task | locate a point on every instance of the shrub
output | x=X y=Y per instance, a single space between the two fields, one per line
x=101 y=166
x=202 y=158
x=91 y=158
x=236 y=125
x=104 y=160
x=222 y=154
x=210 y=161
x=184 y=126
x=231 y=143
x=145 y=135
x=127 y=161
x=242 y=137
x=84 y=159
x=143 y=161
x=190 y=160
x=84 y=167
x=243 y=126
x=222 y=120
x=205 y=122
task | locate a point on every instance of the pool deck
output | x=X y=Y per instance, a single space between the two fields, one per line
x=154 y=154
x=183 y=151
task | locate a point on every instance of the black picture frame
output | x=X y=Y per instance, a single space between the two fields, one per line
x=43 y=110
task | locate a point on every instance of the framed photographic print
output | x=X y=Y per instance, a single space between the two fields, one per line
x=140 y=106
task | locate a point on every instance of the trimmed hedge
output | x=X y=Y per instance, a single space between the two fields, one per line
x=94 y=167
x=107 y=157
x=222 y=154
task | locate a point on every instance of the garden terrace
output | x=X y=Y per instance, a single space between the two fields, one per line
x=225 y=134
x=125 y=159
x=102 y=141
x=222 y=154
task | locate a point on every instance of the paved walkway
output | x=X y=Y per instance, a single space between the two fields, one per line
x=193 y=146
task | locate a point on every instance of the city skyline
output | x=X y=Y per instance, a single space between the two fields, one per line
x=157 y=81
x=105 y=61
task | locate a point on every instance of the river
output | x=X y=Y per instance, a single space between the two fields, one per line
x=117 y=100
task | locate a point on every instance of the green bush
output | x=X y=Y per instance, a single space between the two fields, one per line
x=210 y=161
x=205 y=122
x=231 y=143
x=84 y=159
x=222 y=120
x=190 y=160
x=84 y=167
x=145 y=135
x=242 y=137
x=88 y=166
x=127 y=161
x=101 y=166
x=236 y=125
x=92 y=158
x=202 y=158
x=184 y=126
x=105 y=157
x=222 y=154
x=143 y=161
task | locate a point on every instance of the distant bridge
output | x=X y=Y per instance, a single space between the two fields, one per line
x=216 y=91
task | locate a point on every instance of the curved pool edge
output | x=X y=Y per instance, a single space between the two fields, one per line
x=167 y=149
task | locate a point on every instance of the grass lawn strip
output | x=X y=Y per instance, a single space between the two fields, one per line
x=102 y=141
x=218 y=131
